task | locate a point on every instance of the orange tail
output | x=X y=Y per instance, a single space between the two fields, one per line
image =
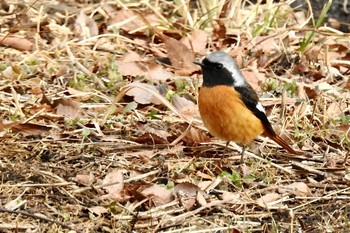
x=283 y=143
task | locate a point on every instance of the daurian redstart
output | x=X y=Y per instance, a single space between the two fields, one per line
x=229 y=106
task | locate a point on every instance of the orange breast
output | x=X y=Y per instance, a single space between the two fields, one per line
x=226 y=116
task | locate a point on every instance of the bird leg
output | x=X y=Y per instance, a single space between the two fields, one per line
x=227 y=143
x=242 y=153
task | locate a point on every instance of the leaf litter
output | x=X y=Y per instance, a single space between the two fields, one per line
x=100 y=129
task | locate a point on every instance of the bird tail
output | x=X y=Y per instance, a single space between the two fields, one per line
x=283 y=143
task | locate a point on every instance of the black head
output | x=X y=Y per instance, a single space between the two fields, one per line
x=220 y=69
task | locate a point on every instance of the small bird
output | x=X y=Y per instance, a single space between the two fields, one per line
x=230 y=107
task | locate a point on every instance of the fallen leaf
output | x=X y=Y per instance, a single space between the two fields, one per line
x=85 y=27
x=84 y=179
x=158 y=194
x=21 y=44
x=195 y=135
x=187 y=193
x=197 y=40
x=233 y=198
x=201 y=199
x=180 y=55
x=115 y=190
x=80 y=95
x=12 y=72
x=267 y=199
x=131 y=68
x=131 y=56
x=299 y=189
x=185 y=106
x=130 y=22
x=158 y=73
x=142 y=96
x=254 y=78
x=67 y=107
x=29 y=129
x=160 y=133
x=98 y=210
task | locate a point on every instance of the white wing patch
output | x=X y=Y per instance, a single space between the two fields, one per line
x=260 y=107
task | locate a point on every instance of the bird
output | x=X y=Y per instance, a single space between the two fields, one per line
x=229 y=106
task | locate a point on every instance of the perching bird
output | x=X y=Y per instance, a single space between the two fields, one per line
x=229 y=106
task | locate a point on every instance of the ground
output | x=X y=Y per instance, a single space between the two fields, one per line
x=100 y=130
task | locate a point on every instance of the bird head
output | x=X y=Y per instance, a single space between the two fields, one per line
x=220 y=69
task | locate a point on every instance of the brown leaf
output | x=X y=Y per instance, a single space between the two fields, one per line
x=130 y=22
x=265 y=200
x=299 y=189
x=85 y=26
x=195 y=135
x=187 y=192
x=185 y=106
x=197 y=41
x=160 y=133
x=180 y=55
x=17 y=43
x=158 y=73
x=233 y=198
x=114 y=190
x=159 y=194
x=84 y=179
x=98 y=210
x=80 y=95
x=29 y=129
x=254 y=78
x=143 y=97
x=67 y=107
x=132 y=68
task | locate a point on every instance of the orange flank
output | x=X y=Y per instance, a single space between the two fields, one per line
x=225 y=115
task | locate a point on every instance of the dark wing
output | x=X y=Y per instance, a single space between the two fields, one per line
x=251 y=100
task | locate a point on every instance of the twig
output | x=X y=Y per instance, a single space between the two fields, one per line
x=309 y=168
x=321 y=198
x=142 y=176
x=262 y=159
x=38 y=217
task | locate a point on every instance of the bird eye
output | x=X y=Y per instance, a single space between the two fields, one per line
x=218 y=66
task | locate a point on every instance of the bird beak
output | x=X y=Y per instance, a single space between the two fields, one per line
x=198 y=63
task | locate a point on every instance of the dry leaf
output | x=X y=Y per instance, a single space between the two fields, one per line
x=180 y=55
x=21 y=44
x=195 y=135
x=80 y=95
x=85 y=26
x=265 y=200
x=185 y=106
x=67 y=108
x=84 y=179
x=98 y=210
x=11 y=72
x=160 y=133
x=197 y=41
x=299 y=189
x=254 y=78
x=114 y=190
x=131 y=68
x=143 y=97
x=234 y=198
x=187 y=192
x=29 y=129
x=158 y=73
x=201 y=199
x=158 y=194
x=130 y=22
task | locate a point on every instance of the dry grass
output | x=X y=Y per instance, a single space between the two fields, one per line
x=75 y=157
